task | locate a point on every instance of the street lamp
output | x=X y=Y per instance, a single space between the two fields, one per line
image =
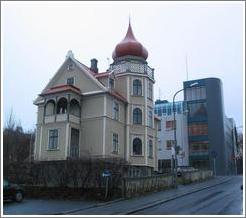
x=174 y=155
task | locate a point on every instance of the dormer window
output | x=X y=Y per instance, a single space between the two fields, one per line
x=70 y=81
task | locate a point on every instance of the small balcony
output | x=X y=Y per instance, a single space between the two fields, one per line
x=62 y=111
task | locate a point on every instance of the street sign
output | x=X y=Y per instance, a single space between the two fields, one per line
x=106 y=173
x=214 y=154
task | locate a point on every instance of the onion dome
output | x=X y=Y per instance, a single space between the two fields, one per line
x=130 y=46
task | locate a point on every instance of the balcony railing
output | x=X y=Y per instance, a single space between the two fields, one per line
x=61 y=118
x=134 y=68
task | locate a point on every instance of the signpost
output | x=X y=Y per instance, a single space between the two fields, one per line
x=106 y=174
x=214 y=154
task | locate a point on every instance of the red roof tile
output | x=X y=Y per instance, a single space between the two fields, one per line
x=101 y=74
x=117 y=95
x=61 y=88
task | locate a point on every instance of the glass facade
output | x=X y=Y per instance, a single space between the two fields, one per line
x=165 y=108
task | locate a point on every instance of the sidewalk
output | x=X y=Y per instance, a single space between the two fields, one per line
x=129 y=206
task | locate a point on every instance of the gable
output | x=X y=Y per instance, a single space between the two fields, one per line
x=83 y=78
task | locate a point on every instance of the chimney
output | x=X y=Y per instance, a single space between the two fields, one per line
x=94 y=65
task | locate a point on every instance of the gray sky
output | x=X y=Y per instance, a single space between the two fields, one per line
x=37 y=35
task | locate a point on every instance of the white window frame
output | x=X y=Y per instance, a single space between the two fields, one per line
x=152 y=155
x=116 y=115
x=72 y=77
x=150 y=95
x=58 y=140
x=142 y=84
x=115 y=147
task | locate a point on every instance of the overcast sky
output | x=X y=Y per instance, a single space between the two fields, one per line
x=36 y=37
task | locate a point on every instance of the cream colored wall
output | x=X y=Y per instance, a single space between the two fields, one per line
x=113 y=126
x=121 y=85
x=58 y=154
x=92 y=136
x=40 y=114
x=92 y=106
x=82 y=80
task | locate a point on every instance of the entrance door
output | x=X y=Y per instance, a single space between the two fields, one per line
x=74 y=145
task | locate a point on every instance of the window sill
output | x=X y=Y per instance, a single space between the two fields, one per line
x=137 y=155
x=115 y=152
x=137 y=95
x=54 y=149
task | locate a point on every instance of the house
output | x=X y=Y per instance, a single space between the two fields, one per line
x=82 y=112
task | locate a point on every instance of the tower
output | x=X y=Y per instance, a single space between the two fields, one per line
x=134 y=79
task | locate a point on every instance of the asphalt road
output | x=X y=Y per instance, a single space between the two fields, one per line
x=226 y=198
x=221 y=195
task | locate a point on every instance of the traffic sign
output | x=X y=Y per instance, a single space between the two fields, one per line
x=214 y=154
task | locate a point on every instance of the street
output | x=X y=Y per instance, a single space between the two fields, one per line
x=226 y=198
x=221 y=195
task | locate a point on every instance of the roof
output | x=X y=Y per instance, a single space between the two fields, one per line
x=104 y=74
x=61 y=88
x=117 y=95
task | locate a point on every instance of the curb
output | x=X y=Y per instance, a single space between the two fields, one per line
x=89 y=207
x=172 y=198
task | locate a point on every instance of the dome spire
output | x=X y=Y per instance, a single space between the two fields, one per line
x=130 y=46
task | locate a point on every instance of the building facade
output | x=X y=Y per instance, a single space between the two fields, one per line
x=164 y=110
x=85 y=113
x=206 y=125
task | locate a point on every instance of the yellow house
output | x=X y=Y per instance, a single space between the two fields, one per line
x=85 y=113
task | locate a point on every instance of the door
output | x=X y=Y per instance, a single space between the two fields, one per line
x=74 y=145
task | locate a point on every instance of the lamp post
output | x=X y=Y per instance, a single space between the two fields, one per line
x=174 y=156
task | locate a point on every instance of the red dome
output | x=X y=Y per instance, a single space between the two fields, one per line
x=130 y=46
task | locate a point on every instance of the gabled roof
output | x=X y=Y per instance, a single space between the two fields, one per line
x=117 y=95
x=61 y=88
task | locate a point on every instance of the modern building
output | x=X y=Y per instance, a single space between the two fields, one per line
x=208 y=145
x=82 y=112
x=164 y=110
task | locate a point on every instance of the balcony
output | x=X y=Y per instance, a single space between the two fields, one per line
x=133 y=68
x=61 y=118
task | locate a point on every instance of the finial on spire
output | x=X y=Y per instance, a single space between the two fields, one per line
x=129 y=19
x=69 y=54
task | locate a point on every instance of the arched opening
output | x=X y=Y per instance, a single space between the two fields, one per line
x=137 y=87
x=137 y=116
x=74 y=108
x=137 y=146
x=62 y=106
x=50 y=108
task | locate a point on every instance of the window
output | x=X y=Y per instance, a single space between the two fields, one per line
x=53 y=139
x=169 y=144
x=137 y=116
x=150 y=90
x=150 y=149
x=170 y=125
x=198 y=129
x=116 y=110
x=137 y=87
x=150 y=118
x=111 y=83
x=195 y=93
x=115 y=148
x=70 y=81
x=197 y=110
x=137 y=146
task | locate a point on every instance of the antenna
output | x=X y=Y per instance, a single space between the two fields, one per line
x=186 y=67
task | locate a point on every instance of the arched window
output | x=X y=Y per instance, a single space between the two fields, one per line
x=50 y=108
x=137 y=87
x=137 y=146
x=62 y=106
x=137 y=116
x=74 y=108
